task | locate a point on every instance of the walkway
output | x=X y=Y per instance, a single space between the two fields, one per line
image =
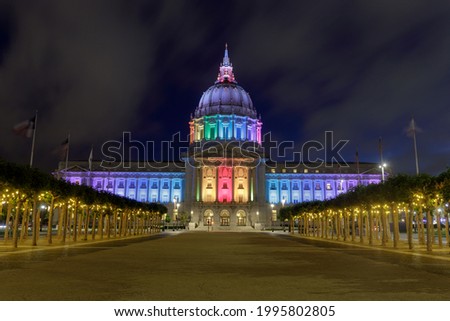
x=221 y=266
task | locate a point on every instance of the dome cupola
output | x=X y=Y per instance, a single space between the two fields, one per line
x=225 y=97
x=225 y=111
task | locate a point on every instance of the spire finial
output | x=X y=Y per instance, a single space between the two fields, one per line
x=226 y=69
x=226 y=59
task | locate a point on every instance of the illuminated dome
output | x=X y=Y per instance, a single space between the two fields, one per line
x=225 y=97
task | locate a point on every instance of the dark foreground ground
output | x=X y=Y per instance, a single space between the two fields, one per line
x=221 y=266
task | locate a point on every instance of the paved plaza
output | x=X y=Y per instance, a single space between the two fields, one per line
x=221 y=266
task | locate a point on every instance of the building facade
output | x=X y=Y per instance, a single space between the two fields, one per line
x=224 y=181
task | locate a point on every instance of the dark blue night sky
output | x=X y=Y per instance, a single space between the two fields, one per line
x=361 y=69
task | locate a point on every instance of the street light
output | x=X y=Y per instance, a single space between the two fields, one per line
x=382 y=171
x=271 y=217
x=257 y=216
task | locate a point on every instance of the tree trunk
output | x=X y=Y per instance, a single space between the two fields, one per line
x=353 y=226
x=120 y=227
x=361 y=227
x=322 y=227
x=60 y=221
x=7 y=224
x=35 y=223
x=387 y=230
x=366 y=226
x=25 y=214
x=86 y=223
x=383 y=223
x=115 y=224
x=421 y=228
x=93 y=231
x=377 y=227
x=430 y=231
x=447 y=236
x=80 y=222
x=50 y=224
x=75 y=222
x=370 y=218
x=100 y=225
x=125 y=224
x=338 y=226
x=65 y=222
x=108 y=226
x=439 y=230
x=394 y=214
x=16 y=225
x=410 y=226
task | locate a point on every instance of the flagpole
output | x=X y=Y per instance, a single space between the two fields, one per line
x=34 y=139
x=67 y=152
x=380 y=149
x=90 y=165
x=357 y=166
x=415 y=145
x=90 y=158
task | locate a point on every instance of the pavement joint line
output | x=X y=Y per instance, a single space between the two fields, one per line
x=400 y=251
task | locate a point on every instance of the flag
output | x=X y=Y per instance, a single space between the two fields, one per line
x=25 y=128
x=90 y=158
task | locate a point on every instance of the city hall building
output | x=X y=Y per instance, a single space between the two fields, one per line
x=225 y=181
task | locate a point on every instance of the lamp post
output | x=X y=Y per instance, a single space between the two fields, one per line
x=271 y=215
x=282 y=205
x=175 y=209
x=177 y=218
x=257 y=216
x=382 y=166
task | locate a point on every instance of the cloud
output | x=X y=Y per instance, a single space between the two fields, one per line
x=83 y=65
